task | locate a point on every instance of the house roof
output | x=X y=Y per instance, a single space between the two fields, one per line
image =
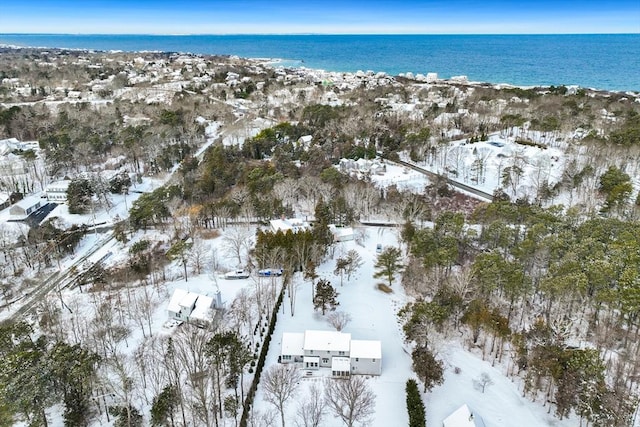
x=189 y=299
x=61 y=185
x=340 y=364
x=292 y=343
x=293 y=224
x=174 y=302
x=201 y=310
x=29 y=201
x=367 y=349
x=462 y=417
x=340 y=231
x=327 y=340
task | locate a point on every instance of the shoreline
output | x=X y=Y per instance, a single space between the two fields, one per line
x=277 y=63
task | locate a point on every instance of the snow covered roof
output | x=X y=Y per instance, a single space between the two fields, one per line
x=327 y=340
x=197 y=305
x=462 y=417
x=176 y=298
x=340 y=364
x=202 y=309
x=340 y=232
x=367 y=349
x=292 y=224
x=58 y=186
x=292 y=343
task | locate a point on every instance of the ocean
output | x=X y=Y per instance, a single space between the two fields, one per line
x=600 y=61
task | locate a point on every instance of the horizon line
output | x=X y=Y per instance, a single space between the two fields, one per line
x=313 y=34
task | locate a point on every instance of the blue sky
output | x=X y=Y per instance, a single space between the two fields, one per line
x=311 y=16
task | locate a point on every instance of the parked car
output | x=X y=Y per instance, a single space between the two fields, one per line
x=237 y=274
x=379 y=248
x=269 y=272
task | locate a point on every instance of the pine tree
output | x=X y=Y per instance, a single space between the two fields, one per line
x=388 y=264
x=428 y=369
x=326 y=297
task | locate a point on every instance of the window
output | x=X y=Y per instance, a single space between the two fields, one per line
x=325 y=360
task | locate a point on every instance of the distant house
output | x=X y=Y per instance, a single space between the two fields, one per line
x=192 y=307
x=25 y=207
x=57 y=191
x=286 y=224
x=304 y=142
x=330 y=349
x=463 y=417
x=341 y=234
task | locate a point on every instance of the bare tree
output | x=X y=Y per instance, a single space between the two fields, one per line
x=261 y=419
x=236 y=242
x=311 y=410
x=280 y=383
x=350 y=400
x=338 y=319
x=482 y=382
x=198 y=255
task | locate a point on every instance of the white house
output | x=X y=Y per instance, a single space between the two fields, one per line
x=330 y=349
x=192 y=307
x=286 y=224
x=25 y=207
x=341 y=234
x=366 y=357
x=463 y=417
x=57 y=191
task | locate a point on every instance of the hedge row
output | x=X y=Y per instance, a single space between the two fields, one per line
x=415 y=406
x=248 y=401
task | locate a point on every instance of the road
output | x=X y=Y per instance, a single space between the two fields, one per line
x=482 y=194
x=59 y=280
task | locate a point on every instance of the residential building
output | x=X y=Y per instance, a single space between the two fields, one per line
x=57 y=191
x=193 y=307
x=25 y=207
x=286 y=224
x=331 y=349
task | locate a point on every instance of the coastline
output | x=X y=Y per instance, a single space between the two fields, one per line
x=294 y=65
x=600 y=62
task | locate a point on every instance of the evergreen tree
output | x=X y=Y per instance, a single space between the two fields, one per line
x=388 y=264
x=427 y=367
x=164 y=406
x=415 y=406
x=79 y=195
x=325 y=297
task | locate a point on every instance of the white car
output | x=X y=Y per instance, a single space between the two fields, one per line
x=236 y=274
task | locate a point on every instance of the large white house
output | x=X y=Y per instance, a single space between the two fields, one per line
x=330 y=349
x=192 y=307
x=57 y=191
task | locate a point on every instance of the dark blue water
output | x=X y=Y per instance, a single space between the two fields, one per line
x=609 y=62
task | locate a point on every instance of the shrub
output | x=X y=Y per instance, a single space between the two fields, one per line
x=415 y=406
x=384 y=288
